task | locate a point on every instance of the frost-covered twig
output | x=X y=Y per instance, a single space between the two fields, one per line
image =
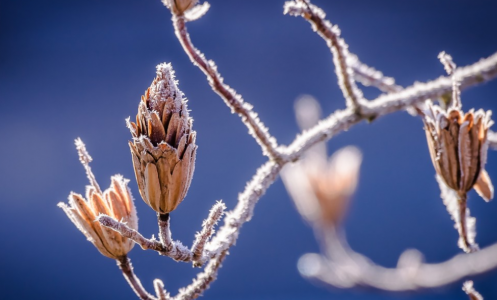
x=331 y=34
x=479 y=72
x=85 y=159
x=470 y=291
x=166 y=246
x=124 y=264
x=207 y=230
x=349 y=269
x=130 y=233
x=203 y=280
x=163 y=221
x=159 y=290
x=369 y=76
x=229 y=95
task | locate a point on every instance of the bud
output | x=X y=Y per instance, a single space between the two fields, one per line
x=163 y=147
x=116 y=202
x=458 y=147
x=322 y=192
x=178 y=7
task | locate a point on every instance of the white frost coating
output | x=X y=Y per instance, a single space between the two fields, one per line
x=165 y=87
x=449 y=198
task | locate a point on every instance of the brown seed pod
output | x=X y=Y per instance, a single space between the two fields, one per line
x=458 y=147
x=163 y=147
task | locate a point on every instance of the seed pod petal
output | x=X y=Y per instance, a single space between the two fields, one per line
x=484 y=186
x=152 y=188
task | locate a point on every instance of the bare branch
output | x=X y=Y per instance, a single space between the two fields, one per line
x=233 y=100
x=163 y=221
x=331 y=34
x=347 y=269
x=482 y=71
x=203 y=280
x=85 y=159
x=201 y=238
x=130 y=233
x=124 y=264
x=369 y=76
x=159 y=290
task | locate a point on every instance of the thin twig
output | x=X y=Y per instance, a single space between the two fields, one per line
x=130 y=233
x=233 y=100
x=85 y=159
x=163 y=221
x=331 y=34
x=203 y=280
x=124 y=263
x=159 y=290
x=201 y=238
x=369 y=76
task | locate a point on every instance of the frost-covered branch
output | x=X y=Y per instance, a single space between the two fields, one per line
x=124 y=263
x=369 y=76
x=201 y=238
x=347 y=268
x=479 y=72
x=159 y=290
x=341 y=56
x=233 y=100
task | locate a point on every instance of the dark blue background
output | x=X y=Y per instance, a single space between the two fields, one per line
x=77 y=69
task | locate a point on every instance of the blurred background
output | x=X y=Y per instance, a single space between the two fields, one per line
x=73 y=69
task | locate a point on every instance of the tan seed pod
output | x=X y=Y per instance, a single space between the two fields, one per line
x=116 y=202
x=458 y=147
x=163 y=147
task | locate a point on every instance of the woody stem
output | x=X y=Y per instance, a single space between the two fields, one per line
x=165 y=230
x=124 y=263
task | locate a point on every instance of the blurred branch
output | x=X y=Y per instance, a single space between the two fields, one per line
x=342 y=267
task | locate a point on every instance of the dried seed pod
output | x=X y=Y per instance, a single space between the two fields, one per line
x=178 y=7
x=458 y=147
x=322 y=192
x=116 y=202
x=163 y=147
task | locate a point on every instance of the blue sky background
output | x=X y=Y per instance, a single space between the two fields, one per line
x=73 y=69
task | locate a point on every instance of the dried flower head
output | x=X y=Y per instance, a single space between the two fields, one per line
x=116 y=201
x=178 y=7
x=163 y=147
x=458 y=142
x=322 y=192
